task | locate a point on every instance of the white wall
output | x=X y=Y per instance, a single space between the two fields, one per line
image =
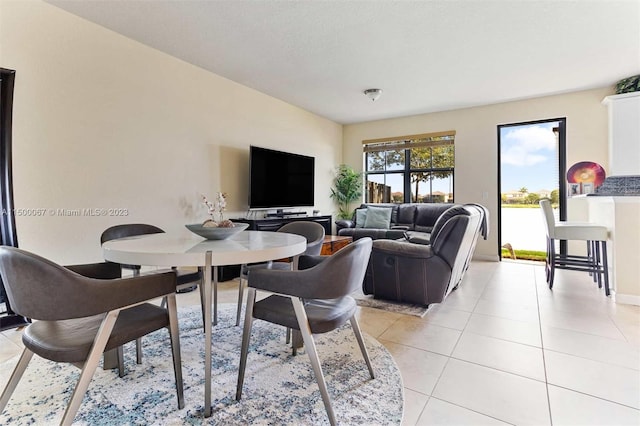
x=477 y=146
x=101 y=121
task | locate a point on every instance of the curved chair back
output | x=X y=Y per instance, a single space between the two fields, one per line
x=547 y=215
x=128 y=230
x=337 y=276
x=312 y=231
x=40 y=289
x=43 y=290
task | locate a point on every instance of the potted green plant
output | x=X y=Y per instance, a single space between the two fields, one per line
x=347 y=188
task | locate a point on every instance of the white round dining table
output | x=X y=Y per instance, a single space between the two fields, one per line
x=186 y=249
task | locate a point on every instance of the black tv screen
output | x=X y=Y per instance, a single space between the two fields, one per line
x=280 y=179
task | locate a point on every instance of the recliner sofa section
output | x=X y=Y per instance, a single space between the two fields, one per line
x=413 y=221
x=423 y=274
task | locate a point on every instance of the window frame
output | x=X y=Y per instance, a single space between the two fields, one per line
x=408 y=144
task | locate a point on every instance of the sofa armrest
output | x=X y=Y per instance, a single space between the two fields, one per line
x=402 y=248
x=422 y=238
x=344 y=223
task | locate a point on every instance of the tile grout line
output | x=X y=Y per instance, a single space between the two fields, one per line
x=473 y=411
x=544 y=360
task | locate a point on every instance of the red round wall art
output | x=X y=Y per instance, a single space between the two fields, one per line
x=586 y=172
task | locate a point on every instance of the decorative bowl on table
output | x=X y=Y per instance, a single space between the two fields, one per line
x=217 y=233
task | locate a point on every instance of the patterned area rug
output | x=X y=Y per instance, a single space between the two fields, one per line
x=399 y=308
x=278 y=389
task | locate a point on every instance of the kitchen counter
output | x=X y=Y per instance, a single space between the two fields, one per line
x=621 y=214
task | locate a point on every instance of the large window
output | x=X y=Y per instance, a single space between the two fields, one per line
x=410 y=169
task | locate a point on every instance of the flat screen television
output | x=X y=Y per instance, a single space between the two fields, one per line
x=280 y=179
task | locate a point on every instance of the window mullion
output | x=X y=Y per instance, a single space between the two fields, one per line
x=407 y=175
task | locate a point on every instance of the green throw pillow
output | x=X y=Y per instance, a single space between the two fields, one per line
x=361 y=217
x=378 y=217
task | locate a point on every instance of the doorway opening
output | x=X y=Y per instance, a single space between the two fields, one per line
x=532 y=166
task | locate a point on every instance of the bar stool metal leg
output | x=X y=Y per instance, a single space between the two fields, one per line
x=605 y=268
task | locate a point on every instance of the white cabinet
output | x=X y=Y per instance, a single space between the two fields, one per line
x=624 y=134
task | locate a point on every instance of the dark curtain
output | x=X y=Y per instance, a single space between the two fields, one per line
x=8 y=235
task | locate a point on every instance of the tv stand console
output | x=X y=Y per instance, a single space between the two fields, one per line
x=275 y=223
x=282 y=213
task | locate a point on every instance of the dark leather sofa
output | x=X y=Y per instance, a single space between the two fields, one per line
x=402 y=271
x=416 y=220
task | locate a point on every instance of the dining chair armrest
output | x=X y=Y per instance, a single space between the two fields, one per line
x=102 y=270
x=114 y=294
x=278 y=281
x=325 y=280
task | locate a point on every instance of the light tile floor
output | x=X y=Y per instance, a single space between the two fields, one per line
x=503 y=349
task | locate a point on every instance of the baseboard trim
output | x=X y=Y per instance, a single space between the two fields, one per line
x=486 y=257
x=627 y=299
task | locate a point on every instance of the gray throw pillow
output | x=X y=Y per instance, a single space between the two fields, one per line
x=378 y=217
x=361 y=217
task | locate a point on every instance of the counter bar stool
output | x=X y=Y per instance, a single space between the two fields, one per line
x=596 y=238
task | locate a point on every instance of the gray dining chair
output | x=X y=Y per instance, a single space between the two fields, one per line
x=186 y=279
x=79 y=317
x=313 y=299
x=312 y=231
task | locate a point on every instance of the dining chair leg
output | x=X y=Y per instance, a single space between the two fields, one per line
x=310 y=348
x=363 y=348
x=16 y=375
x=136 y=273
x=246 y=336
x=120 y=358
x=202 y=300
x=174 y=336
x=139 y=350
x=90 y=366
x=296 y=342
x=240 y=296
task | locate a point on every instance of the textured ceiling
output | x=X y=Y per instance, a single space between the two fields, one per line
x=426 y=55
